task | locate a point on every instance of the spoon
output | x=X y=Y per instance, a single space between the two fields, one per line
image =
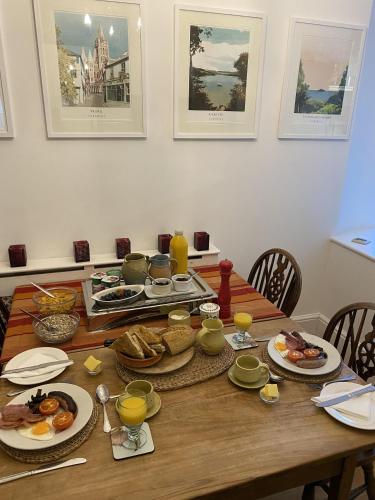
x=276 y=378
x=102 y=393
x=149 y=277
x=49 y=328
x=43 y=290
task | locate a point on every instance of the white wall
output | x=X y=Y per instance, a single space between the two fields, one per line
x=249 y=195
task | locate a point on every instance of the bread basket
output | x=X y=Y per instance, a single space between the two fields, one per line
x=136 y=362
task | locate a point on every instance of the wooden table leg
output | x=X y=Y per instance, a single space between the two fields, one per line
x=339 y=486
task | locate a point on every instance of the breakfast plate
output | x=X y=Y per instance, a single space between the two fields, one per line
x=263 y=380
x=333 y=357
x=22 y=359
x=351 y=420
x=11 y=437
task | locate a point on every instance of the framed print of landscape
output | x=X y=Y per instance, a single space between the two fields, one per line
x=6 y=127
x=321 y=80
x=91 y=64
x=217 y=74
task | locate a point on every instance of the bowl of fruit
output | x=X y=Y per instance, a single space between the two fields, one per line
x=63 y=301
x=118 y=295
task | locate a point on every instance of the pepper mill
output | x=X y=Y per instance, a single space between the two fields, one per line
x=224 y=296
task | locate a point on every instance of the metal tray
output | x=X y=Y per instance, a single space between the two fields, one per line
x=101 y=318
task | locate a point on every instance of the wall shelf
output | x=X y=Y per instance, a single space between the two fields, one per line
x=345 y=240
x=65 y=268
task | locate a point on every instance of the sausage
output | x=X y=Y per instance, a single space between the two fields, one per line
x=311 y=363
x=66 y=401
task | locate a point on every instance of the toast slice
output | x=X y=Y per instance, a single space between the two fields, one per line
x=148 y=352
x=145 y=333
x=131 y=347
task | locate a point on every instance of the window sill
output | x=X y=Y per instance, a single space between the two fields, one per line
x=345 y=240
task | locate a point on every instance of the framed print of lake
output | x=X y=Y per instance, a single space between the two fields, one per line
x=218 y=68
x=91 y=65
x=320 y=84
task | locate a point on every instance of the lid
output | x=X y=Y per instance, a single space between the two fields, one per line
x=178 y=232
x=209 y=307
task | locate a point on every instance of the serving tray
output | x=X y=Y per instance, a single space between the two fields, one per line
x=107 y=317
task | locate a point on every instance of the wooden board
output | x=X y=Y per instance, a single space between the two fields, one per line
x=167 y=363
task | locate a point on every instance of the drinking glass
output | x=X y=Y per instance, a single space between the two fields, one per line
x=132 y=409
x=242 y=321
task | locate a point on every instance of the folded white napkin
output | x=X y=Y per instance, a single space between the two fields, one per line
x=358 y=407
x=37 y=359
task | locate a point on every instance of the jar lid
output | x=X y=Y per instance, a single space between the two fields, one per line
x=209 y=307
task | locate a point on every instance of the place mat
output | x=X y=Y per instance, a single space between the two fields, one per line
x=55 y=452
x=201 y=367
x=297 y=377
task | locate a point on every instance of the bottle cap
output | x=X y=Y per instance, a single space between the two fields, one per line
x=178 y=232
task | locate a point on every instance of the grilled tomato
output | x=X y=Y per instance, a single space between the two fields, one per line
x=295 y=356
x=311 y=353
x=48 y=406
x=63 y=420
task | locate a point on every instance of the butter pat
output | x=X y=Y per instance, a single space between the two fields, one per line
x=271 y=391
x=93 y=365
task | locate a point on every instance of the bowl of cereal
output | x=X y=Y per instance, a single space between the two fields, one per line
x=57 y=328
x=63 y=301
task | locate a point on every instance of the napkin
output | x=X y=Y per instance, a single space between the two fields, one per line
x=37 y=359
x=358 y=407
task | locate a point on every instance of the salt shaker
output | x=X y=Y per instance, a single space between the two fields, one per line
x=224 y=296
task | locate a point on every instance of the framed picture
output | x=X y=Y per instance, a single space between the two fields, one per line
x=217 y=73
x=321 y=79
x=91 y=64
x=6 y=126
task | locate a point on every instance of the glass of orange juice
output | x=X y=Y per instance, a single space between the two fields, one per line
x=242 y=321
x=132 y=409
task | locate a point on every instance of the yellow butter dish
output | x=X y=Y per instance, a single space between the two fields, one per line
x=269 y=394
x=93 y=365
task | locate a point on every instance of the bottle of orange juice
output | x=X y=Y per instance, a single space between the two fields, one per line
x=178 y=249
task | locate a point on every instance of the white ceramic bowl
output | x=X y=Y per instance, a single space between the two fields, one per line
x=161 y=286
x=182 y=282
x=118 y=294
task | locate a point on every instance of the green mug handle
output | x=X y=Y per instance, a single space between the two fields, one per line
x=264 y=368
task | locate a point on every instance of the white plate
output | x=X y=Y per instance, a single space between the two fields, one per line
x=85 y=406
x=333 y=360
x=20 y=359
x=151 y=295
x=119 y=302
x=352 y=421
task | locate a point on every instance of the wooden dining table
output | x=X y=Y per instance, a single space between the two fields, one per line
x=212 y=440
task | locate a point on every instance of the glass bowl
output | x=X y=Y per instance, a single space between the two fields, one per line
x=267 y=399
x=64 y=301
x=64 y=326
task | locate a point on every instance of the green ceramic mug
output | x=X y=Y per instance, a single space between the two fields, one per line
x=144 y=386
x=249 y=369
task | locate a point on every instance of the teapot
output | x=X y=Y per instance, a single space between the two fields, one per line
x=211 y=336
x=162 y=266
x=134 y=268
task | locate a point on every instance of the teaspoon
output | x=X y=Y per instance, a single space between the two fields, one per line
x=102 y=393
x=38 y=320
x=43 y=290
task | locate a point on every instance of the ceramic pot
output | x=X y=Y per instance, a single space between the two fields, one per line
x=162 y=266
x=211 y=336
x=134 y=268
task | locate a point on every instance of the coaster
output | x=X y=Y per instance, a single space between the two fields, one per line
x=245 y=345
x=119 y=434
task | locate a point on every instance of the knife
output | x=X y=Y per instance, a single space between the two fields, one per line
x=346 y=397
x=43 y=468
x=66 y=362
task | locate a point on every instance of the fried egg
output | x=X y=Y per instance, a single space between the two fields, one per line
x=40 y=431
x=280 y=345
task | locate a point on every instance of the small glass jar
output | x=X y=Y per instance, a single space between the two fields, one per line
x=209 y=310
x=179 y=317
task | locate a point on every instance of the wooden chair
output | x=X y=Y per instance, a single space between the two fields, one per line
x=277 y=276
x=5 y=304
x=345 y=331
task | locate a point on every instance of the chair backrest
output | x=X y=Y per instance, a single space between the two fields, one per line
x=345 y=330
x=5 y=304
x=277 y=276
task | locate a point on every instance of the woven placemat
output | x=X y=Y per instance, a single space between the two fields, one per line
x=296 y=377
x=201 y=367
x=54 y=452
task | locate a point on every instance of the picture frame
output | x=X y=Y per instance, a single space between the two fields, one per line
x=321 y=79
x=218 y=67
x=91 y=56
x=6 y=122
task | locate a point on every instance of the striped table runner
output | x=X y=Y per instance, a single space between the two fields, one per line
x=20 y=335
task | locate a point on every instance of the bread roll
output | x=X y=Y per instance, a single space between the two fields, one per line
x=178 y=338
